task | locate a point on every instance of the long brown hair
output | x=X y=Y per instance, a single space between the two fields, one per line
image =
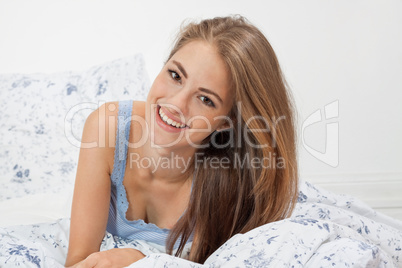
x=243 y=196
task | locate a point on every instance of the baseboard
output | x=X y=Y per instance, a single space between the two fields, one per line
x=382 y=191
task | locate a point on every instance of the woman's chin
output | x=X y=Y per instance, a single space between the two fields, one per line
x=164 y=145
x=161 y=140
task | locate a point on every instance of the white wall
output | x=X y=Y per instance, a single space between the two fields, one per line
x=344 y=51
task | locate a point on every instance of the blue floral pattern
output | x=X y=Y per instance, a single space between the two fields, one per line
x=42 y=114
x=349 y=235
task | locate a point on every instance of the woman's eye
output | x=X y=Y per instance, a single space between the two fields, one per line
x=207 y=101
x=175 y=76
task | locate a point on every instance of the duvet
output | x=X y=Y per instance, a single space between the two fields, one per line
x=325 y=230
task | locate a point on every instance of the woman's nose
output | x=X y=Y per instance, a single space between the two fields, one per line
x=179 y=102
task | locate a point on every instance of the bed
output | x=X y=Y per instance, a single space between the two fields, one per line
x=40 y=129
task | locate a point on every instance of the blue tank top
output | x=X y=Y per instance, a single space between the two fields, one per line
x=117 y=223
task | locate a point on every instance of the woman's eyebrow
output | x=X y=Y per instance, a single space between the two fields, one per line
x=181 y=68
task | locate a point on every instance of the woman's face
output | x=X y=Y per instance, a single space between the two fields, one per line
x=190 y=97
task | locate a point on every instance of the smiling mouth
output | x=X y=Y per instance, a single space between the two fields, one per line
x=170 y=121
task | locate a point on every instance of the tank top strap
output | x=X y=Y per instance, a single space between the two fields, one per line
x=122 y=138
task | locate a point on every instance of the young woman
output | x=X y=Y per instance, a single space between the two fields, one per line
x=210 y=154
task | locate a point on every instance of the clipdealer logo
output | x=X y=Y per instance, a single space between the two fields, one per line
x=331 y=154
x=328 y=115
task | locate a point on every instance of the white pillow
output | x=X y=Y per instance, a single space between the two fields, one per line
x=42 y=117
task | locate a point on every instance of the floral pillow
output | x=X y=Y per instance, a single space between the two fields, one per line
x=42 y=117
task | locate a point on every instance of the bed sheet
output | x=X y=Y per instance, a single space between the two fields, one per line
x=30 y=209
x=324 y=230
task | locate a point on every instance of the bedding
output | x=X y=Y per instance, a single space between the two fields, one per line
x=40 y=126
x=325 y=230
x=43 y=116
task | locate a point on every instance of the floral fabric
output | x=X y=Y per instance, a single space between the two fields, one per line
x=43 y=116
x=325 y=230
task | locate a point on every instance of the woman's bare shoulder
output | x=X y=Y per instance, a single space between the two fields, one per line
x=99 y=133
x=104 y=119
x=101 y=125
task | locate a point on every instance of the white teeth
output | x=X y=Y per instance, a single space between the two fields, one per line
x=169 y=121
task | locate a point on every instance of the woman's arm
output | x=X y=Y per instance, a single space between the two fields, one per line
x=92 y=186
x=113 y=258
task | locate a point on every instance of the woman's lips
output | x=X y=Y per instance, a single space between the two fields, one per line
x=167 y=127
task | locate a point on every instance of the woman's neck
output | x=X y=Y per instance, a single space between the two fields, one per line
x=164 y=164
